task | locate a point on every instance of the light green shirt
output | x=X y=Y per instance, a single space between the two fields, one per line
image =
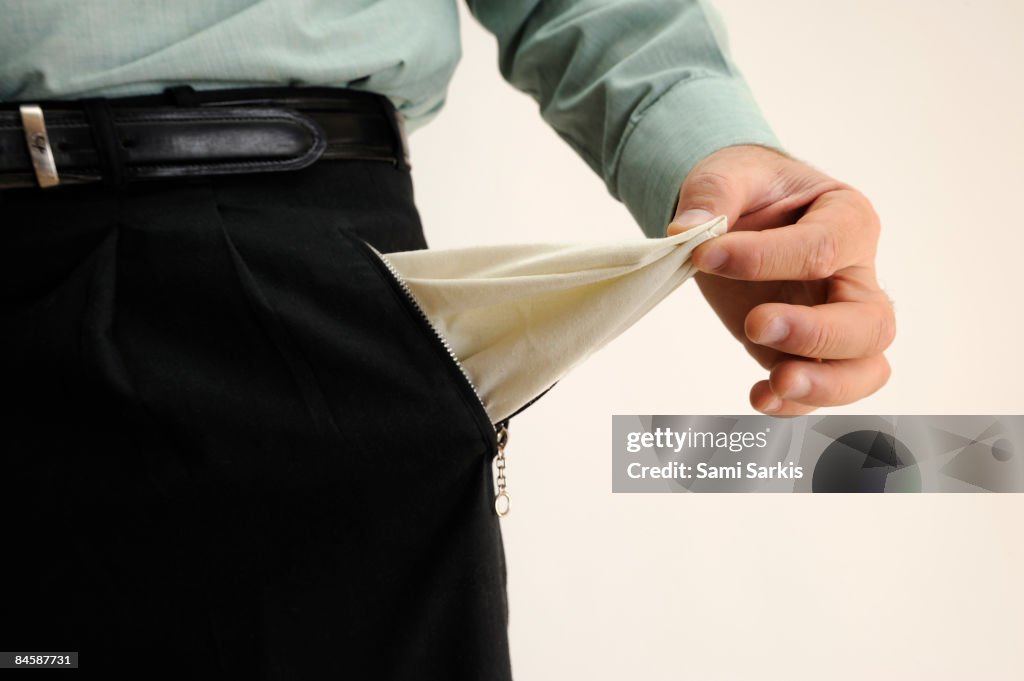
x=641 y=89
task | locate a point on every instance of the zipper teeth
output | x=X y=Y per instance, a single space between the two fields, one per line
x=415 y=303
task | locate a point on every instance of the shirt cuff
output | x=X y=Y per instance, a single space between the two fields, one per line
x=667 y=139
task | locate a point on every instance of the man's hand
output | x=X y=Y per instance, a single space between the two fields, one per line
x=794 y=278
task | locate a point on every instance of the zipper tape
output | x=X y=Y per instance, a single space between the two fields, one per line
x=502 y=500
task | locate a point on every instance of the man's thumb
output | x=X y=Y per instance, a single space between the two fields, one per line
x=705 y=195
x=689 y=218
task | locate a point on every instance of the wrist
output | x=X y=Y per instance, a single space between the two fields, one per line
x=691 y=121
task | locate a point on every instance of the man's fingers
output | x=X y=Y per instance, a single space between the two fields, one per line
x=795 y=384
x=764 y=400
x=844 y=330
x=838 y=230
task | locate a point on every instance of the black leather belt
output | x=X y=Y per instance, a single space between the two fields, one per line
x=183 y=133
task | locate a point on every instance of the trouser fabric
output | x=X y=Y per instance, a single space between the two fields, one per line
x=230 y=446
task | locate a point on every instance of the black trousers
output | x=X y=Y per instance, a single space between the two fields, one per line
x=231 y=448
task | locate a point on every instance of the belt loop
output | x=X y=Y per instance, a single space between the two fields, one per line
x=182 y=95
x=108 y=147
x=396 y=121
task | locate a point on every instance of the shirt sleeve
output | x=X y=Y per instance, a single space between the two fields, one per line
x=641 y=89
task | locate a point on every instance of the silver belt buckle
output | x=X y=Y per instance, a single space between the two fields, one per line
x=39 y=148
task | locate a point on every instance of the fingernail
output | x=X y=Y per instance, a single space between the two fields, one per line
x=776 y=330
x=800 y=388
x=712 y=258
x=694 y=216
x=773 y=405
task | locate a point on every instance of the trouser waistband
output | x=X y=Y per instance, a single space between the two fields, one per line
x=184 y=133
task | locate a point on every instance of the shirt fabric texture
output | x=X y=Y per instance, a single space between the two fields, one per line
x=641 y=89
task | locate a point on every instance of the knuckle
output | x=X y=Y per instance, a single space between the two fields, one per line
x=885 y=331
x=820 y=341
x=864 y=202
x=755 y=266
x=874 y=221
x=879 y=373
x=843 y=393
x=886 y=373
x=871 y=223
x=821 y=260
x=705 y=187
x=867 y=217
x=803 y=183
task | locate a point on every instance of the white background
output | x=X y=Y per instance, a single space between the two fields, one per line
x=918 y=104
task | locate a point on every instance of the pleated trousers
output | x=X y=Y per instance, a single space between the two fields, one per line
x=230 y=447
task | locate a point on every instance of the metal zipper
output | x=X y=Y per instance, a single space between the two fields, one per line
x=502 y=500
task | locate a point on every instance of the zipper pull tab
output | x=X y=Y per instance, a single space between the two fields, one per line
x=502 y=500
